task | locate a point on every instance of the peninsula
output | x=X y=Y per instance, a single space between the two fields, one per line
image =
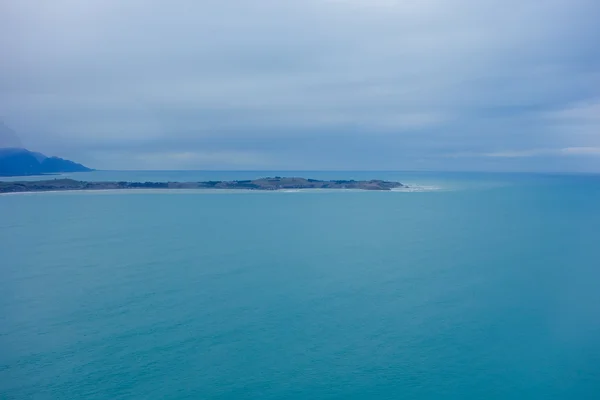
x=276 y=183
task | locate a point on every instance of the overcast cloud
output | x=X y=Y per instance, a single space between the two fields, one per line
x=311 y=84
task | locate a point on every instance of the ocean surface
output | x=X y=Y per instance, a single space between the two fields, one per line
x=472 y=286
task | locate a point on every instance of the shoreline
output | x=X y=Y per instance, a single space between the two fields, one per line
x=263 y=184
x=411 y=189
x=194 y=191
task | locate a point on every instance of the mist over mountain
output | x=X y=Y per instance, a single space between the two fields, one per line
x=22 y=162
x=8 y=137
x=15 y=160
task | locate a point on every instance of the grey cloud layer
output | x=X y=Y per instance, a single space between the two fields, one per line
x=313 y=84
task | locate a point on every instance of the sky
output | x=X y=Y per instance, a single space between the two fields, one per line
x=483 y=85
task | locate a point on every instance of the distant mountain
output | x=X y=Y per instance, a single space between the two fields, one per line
x=8 y=137
x=20 y=162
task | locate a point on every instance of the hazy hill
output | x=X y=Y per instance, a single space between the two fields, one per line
x=8 y=137
x=18 y=162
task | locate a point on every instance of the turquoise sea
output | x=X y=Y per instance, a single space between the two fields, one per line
x=474 y=286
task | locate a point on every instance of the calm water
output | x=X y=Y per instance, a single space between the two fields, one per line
x=486 y=288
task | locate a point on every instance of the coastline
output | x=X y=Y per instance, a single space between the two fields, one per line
x=263 y=184
x=411 y=189
x=199 y=191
